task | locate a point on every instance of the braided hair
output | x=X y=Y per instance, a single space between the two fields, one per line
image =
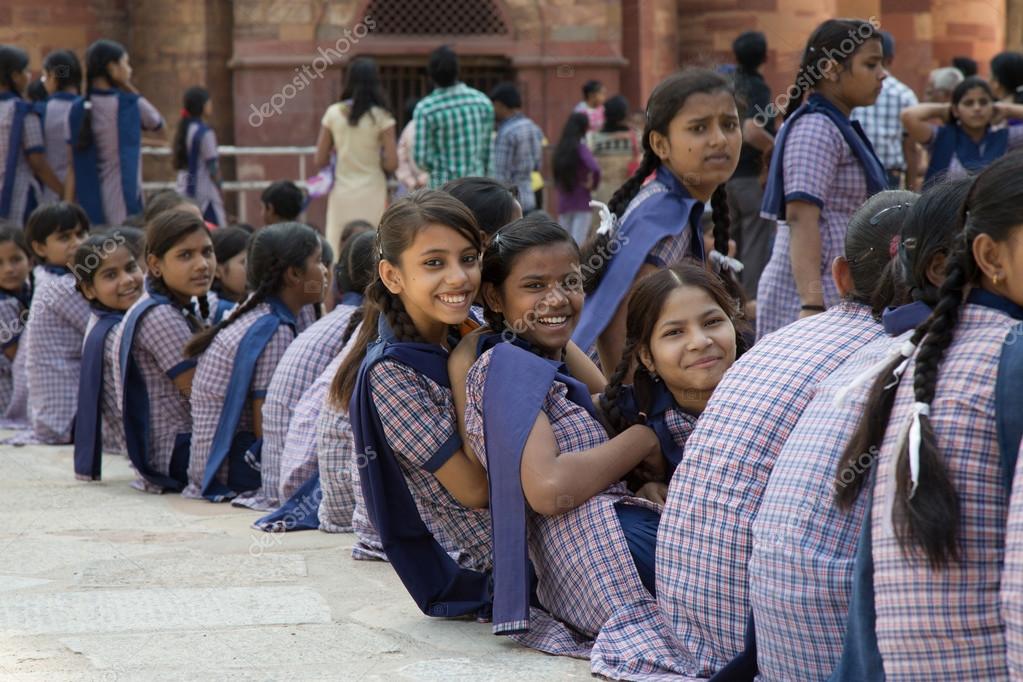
x=100 y=55
x=645 y=306
x=162 y=233
x=354 y=271
x=398 y=228
x=830 y=41
x=927 y=518
x=272 y=251
x=665 y=102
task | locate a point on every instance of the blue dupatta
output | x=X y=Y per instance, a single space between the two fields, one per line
x=88 y=193
x=775 y=198
x=195 y=156
x=14 y=151
x=439 y=586
x=663 y=214
x=951 y=140
x=661 y=401
x=241 y=449
x=88 y=436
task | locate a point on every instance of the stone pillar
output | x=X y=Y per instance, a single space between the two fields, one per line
x=650 y=43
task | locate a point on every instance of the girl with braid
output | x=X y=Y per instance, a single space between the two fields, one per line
x=237 y=358
x=154 y=375
x=691 y=143
x=938 y=486
x=555 y=474
x=414 y=471
x=822 y=169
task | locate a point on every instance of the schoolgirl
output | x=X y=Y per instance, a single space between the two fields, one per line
x=822 y=170
x=109 y=277
x=23 y=147
x=105 y=136
x=286 y=273
x=62 y=76
x=801 y=563
x=231 y=244
x=967 y=143
x=703 y=547
x=154 y=375
x=938 y=502
x=57 y=324
x=691 y=142
x=299 y=368
x=581 y=515
x=15 y=298
x=397 y=393
x=196 y=158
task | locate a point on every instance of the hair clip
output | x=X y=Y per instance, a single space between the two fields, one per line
x=877 y=216
x=607 y=219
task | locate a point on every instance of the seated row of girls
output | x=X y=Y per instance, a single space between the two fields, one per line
x=803 y=544
x=236 y=358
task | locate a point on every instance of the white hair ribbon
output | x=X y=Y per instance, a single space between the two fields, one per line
x=914 y=445
x=607 y=219
x=725 y=262
x=906 y=351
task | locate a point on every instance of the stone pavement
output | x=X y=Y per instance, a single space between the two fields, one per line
x=101 y=582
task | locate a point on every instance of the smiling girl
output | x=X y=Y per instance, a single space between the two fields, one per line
x=691 y=142
x=110 y=278
x=395 y=384
x=155 y=377
x=822 y=169
x=966 y=143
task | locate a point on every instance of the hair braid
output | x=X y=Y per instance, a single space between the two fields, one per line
x=399 y=320
x=195 y=323
x=610 y=398
x=353 y=323
x=722 y=219
x=204 y=306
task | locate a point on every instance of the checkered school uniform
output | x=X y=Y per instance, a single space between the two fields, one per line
x=209 y=389
x=302 y=363
x=207 y=194
x=947 y=624
x=56 y=135
x=418 y=416
x=56 y=331
x=820 y=168
x=585 y=570
x=104 y=128
x=11 y=324
x=110 y=411
x=25 y=185
x=801 y=563
x=157 y=349
x=704 y=539
x=1012 y=575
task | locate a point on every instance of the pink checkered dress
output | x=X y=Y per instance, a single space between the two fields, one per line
x=56 y=331
x=704 y=540
x=110 y=413
x=585 y=570
x=801 y=564
x=303 y=362
x=209 y=389
x=11 y=324
x=819 y=167
x=160 y=337
x=206 y=191
x=947 y=624
x=1012 y=575
x=418 y=416
x=56 y=135
x=25 y=184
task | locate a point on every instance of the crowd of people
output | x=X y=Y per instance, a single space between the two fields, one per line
x=828 y=495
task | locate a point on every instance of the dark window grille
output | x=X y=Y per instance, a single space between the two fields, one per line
x=436 y=17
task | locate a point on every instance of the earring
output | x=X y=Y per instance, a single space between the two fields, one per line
x=994 y=278
x=653 y=376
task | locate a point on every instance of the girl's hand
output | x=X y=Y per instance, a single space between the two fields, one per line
x=653 y=467
x=1000 y=113
x=654 y=492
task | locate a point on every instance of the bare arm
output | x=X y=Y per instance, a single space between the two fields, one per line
x=583 y=368
x=803 y=219
x=389 y=155
x=465 y=478
x=257 y=417
x=556 y=484
x=41 y=169
x=459 y=361
x=916 y=120
x=324 y=143
x=69 y=179
x=183 y=382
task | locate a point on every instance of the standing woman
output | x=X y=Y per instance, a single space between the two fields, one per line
x=616 y=149
x=195 y=156
x=576 y=174
x=21 y=142
x=62 y=76
x=360 y=130
x=106 y=137
x=822 y=169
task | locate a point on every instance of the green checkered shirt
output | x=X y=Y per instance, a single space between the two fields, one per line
x=453 y=131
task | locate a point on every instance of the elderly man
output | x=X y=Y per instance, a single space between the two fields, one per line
x=941 y=83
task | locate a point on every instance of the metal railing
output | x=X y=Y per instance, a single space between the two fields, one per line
x=240 y=186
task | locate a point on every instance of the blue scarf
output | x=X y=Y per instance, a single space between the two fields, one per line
x=861 y=658
x=508 y=418
x=195 y=155
x=88 y=193
x=773 y=206
x=14 y=152
x=898 y=321
x=241 y=449
x=664 y=214
x=952 y=141
x=661 y=401
x=88 y=423
x=439 y=586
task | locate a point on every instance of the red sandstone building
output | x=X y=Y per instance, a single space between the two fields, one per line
x=274 y=66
